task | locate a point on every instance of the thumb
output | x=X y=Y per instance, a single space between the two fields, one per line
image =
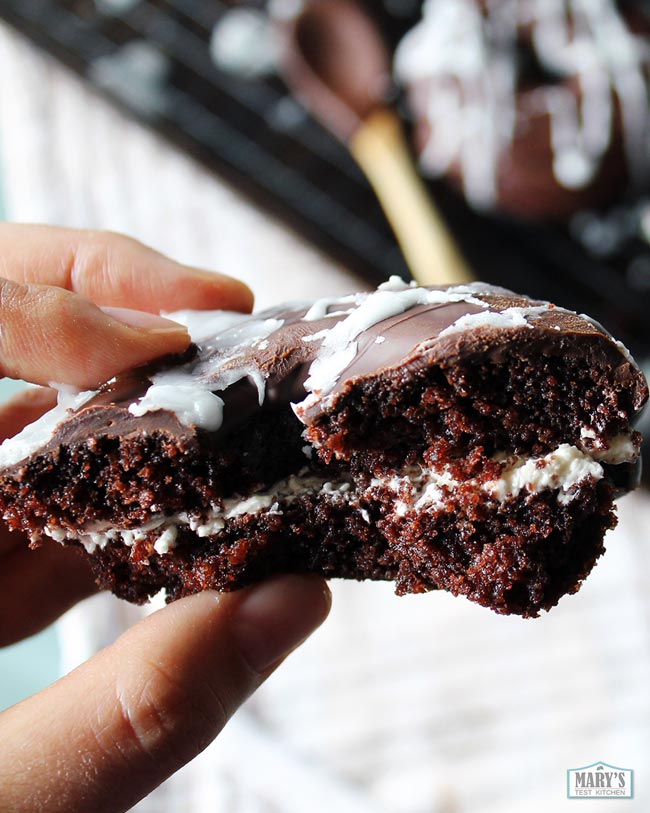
x=107 y=734
x=53 y=335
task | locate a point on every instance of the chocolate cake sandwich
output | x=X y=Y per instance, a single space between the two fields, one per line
x=462 y=438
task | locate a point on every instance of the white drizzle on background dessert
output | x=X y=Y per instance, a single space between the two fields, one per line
x=469 y=55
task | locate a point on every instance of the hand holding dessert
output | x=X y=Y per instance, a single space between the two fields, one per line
x=462 y=438
x=104 y=736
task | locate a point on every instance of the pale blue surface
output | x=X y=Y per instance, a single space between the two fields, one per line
x=29 y=666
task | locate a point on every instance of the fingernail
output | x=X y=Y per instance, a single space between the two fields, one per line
x=238 y=295
x=142 y=320
x=276 y=616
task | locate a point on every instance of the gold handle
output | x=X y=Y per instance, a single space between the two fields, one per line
x=380 y=149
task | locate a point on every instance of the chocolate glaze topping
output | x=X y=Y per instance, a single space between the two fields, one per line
x=250 y=373
x=460 y=438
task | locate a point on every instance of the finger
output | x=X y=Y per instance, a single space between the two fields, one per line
x=111 y=269
x=23 y=408
x=52 y=335
x=37 y=586
x=108 y=733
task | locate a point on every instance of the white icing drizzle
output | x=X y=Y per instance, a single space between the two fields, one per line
x=396 y=283
x=339 y=346
x=190 y=392
x=37 y=434
x=470 y=57
x=508 y=318
x=319 y=310
x=180 y=395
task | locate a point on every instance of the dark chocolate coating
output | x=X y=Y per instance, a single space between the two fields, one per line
x=412 y=342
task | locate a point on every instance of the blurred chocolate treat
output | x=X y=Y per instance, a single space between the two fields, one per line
x=533 y=108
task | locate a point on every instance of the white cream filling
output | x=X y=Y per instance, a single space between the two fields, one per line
x=620 y=449
x=98 y=535
x=416 y=489
x=167 y=540
x=564 y=469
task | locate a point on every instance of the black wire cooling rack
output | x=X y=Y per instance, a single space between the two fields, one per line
x=152 y=58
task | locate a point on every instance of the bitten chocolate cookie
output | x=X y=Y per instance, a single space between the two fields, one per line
x=460 y=438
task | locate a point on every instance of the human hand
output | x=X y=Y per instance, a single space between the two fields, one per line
x=104 y=736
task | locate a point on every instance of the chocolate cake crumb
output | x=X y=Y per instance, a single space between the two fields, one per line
x=463 y=438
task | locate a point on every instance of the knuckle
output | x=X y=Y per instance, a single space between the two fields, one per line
x=25 y=303
x=43 y=302
x=106 y=239
x=99 y=255
x=12 y=295
x=166 y=722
